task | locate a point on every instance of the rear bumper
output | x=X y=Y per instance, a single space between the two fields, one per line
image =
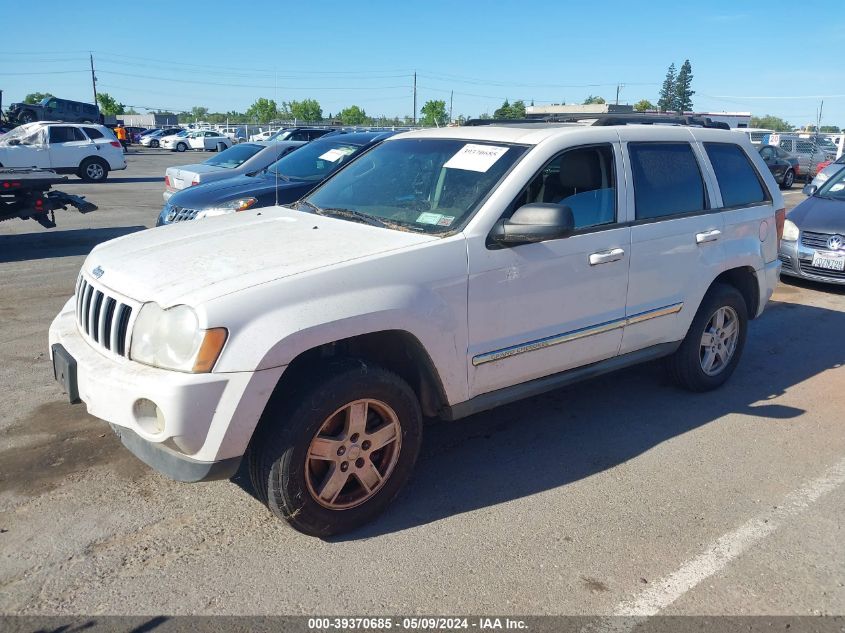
x=767 y=278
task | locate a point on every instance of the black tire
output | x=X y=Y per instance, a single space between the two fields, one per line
x=685 y=365
x=278 y=455
x=221 y=147
x=154 y=143
x=93 y=170
x=788 y=179
x=27 y=116
x=181 y=147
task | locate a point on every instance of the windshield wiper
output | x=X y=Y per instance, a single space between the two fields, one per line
x=352 y=215
x=299 y=204
x=275 y=173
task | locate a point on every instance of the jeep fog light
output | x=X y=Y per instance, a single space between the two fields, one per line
x=148 y=416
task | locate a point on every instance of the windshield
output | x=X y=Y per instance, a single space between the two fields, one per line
x=427 y=185
x=314 y=161
x=235 y=156
x=834 y=188
x=281 y=135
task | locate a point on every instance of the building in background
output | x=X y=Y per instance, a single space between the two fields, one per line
x=142 y=120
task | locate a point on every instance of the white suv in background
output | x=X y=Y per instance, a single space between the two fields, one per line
x=440 y=274
x=90 y=151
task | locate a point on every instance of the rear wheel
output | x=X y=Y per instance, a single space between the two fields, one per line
x=333 y=457
x=788 y=179
x=93 y=170
x=713 y=345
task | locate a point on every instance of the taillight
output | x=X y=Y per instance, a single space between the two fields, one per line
x=780 y=218
x=167 y=181
x=195 y=181
x=115 y=143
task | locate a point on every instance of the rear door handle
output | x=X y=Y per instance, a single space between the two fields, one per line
x=605 y=257
x=707 y=236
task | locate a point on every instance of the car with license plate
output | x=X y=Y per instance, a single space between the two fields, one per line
x=88 y=150
x=283 y=182
x=439 y=274
x=244 y=158
x=813 y=244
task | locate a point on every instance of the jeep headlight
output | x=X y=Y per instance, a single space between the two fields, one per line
x=233 y=206
x=172 y=339
x=790 y=231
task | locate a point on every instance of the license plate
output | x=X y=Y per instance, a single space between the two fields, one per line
x=829 y=261
x=64 y=370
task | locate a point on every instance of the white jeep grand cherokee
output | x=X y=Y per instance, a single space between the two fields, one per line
x=442 y=273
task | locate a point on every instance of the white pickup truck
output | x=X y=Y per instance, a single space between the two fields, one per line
x=442 y=273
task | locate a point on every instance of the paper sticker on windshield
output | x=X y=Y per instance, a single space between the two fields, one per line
x=336 y=154
x=476 y=157
x=837 y=187
x=429 y=218
x=445 y=220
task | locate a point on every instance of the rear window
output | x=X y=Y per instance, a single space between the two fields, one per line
x=93 y=133
x=667 y=180
x=737 y=178
x=235 y=156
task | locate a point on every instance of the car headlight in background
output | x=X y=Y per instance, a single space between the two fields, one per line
x=790 y=231
x=233 y=206
x=172 y=339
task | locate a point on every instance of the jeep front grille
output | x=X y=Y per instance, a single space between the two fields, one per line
x=180 y=214
x=103 y=319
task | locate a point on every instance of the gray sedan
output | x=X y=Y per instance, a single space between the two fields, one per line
x=244 y=158
x=813 y=244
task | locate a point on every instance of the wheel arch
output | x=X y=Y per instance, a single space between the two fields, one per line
x=397 y=351
x=744 y=279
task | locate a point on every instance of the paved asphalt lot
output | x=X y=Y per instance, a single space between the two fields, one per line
x=620 y=495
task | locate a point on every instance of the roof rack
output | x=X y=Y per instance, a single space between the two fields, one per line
x=612 y=118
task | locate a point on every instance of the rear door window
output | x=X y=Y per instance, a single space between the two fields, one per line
x=93 y=133
x=667 y=180
x=64 y=134
x=737 y=178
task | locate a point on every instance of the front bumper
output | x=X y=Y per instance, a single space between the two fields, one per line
x=190 y=427
x=797 y=261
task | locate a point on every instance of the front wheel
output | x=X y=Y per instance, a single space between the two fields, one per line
x=154 y=143
x=181 y=147
x=333 y=458
x=27 y=116
x=788 y=179
x=713 y=345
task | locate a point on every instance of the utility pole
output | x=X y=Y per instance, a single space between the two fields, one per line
x=93 y=78
x=618 y=88
x=451 y=98
x=415 y=98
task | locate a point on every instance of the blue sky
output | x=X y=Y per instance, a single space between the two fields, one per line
x=745 y=56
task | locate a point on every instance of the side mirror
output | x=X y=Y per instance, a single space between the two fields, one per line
x=535 y=222
x=809 y=190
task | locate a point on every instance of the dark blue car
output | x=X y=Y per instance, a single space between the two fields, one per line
x=283 y=182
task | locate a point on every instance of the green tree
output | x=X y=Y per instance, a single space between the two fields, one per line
x=109 y=105
x=353 y=115
x=643 y=104
x=771 y=122
x=199 y=112
x=829 y=129
x=591 y=100
x=264 y=110
x=518 y=109
x=668 y=92
x=683 y=88
x=131 y=111
x=36 y=97
x=306 y=110
x=434 y=113
x=503 y=112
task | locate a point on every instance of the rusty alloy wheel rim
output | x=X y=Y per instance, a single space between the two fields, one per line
x=353 y=454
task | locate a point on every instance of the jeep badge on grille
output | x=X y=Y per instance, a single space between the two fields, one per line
x=97 y=272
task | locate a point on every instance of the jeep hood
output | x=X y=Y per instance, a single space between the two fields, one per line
x=194 y=262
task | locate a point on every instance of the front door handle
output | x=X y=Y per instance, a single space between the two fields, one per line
x=605 y=257
x=707 y=236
